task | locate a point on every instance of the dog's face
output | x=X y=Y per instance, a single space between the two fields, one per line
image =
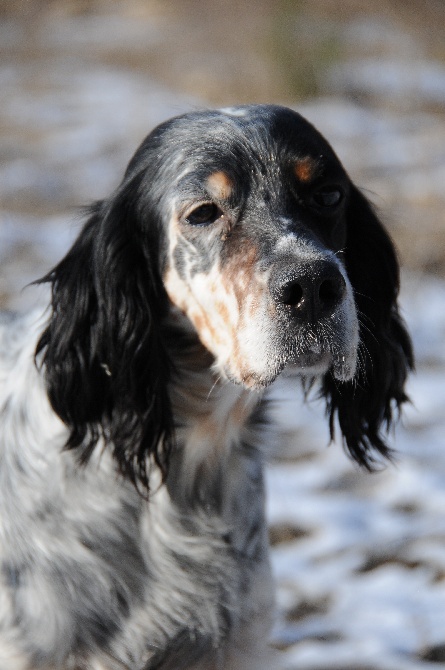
x=253 y=200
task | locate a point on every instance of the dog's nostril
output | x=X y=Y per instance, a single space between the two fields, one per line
x=292 y=294
x=330 y=292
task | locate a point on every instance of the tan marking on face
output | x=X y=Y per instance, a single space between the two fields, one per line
x=240 y=273
x=227 y=307
x=212 y=310
x=305 y=169
x=222 y=311
x=220 y=185
x=242 y=277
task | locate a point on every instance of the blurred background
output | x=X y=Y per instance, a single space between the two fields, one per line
x=359 y=560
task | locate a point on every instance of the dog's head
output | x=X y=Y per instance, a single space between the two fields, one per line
x=244 y=223
x=254 y=205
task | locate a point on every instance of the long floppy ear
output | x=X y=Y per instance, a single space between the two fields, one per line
x=103 y=353
x=367 y=404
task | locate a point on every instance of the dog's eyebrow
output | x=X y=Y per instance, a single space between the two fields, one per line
x=220 y=185
x=305 y=169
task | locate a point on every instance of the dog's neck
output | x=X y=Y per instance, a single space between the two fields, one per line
x=214 y=418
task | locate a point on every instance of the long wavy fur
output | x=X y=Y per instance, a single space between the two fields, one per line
x=366 y=405
x=103 y=354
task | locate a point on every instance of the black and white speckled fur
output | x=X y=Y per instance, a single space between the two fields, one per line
x=132 y=532
x=93 y=576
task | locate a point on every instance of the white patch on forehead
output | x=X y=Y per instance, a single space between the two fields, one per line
x=234 y=111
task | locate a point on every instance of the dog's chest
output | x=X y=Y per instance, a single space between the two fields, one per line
x=207 y=548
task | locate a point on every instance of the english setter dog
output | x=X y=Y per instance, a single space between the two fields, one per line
x=132 y=531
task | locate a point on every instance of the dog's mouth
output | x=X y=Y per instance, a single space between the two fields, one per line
x=314 y=361
x=317 y=364
x=253 y=380
x=330 y=346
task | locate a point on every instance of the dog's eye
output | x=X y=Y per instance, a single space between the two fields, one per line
x=203 y=215
x=329 y=196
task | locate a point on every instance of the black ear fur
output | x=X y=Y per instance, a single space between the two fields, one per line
x=103 y=353
x=368 y=403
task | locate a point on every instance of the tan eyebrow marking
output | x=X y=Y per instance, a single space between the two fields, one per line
x=305 y=169
x=220 y=185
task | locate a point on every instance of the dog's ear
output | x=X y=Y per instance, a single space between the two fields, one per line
x=367 y=405
x=103 y=352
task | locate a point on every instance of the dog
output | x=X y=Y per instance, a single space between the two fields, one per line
x=133 y=408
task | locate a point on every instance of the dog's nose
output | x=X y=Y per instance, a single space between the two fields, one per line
x=311 y=291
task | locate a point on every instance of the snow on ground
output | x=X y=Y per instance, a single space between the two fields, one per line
x=362 y=582
x=359 y=559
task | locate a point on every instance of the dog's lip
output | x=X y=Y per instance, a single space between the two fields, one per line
x=253 y=380
x=310 y=363
x=313 y=364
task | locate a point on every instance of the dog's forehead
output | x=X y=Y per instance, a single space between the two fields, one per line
x=235 y=141
x=249 y=127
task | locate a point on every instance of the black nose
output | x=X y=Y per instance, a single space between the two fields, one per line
x=311 y=291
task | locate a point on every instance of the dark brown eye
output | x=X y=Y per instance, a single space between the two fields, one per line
x=329 y=196
x=204 y=215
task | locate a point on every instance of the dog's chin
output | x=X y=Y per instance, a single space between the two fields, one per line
x=313 y=365
x=254 y=380
x=309 y=364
